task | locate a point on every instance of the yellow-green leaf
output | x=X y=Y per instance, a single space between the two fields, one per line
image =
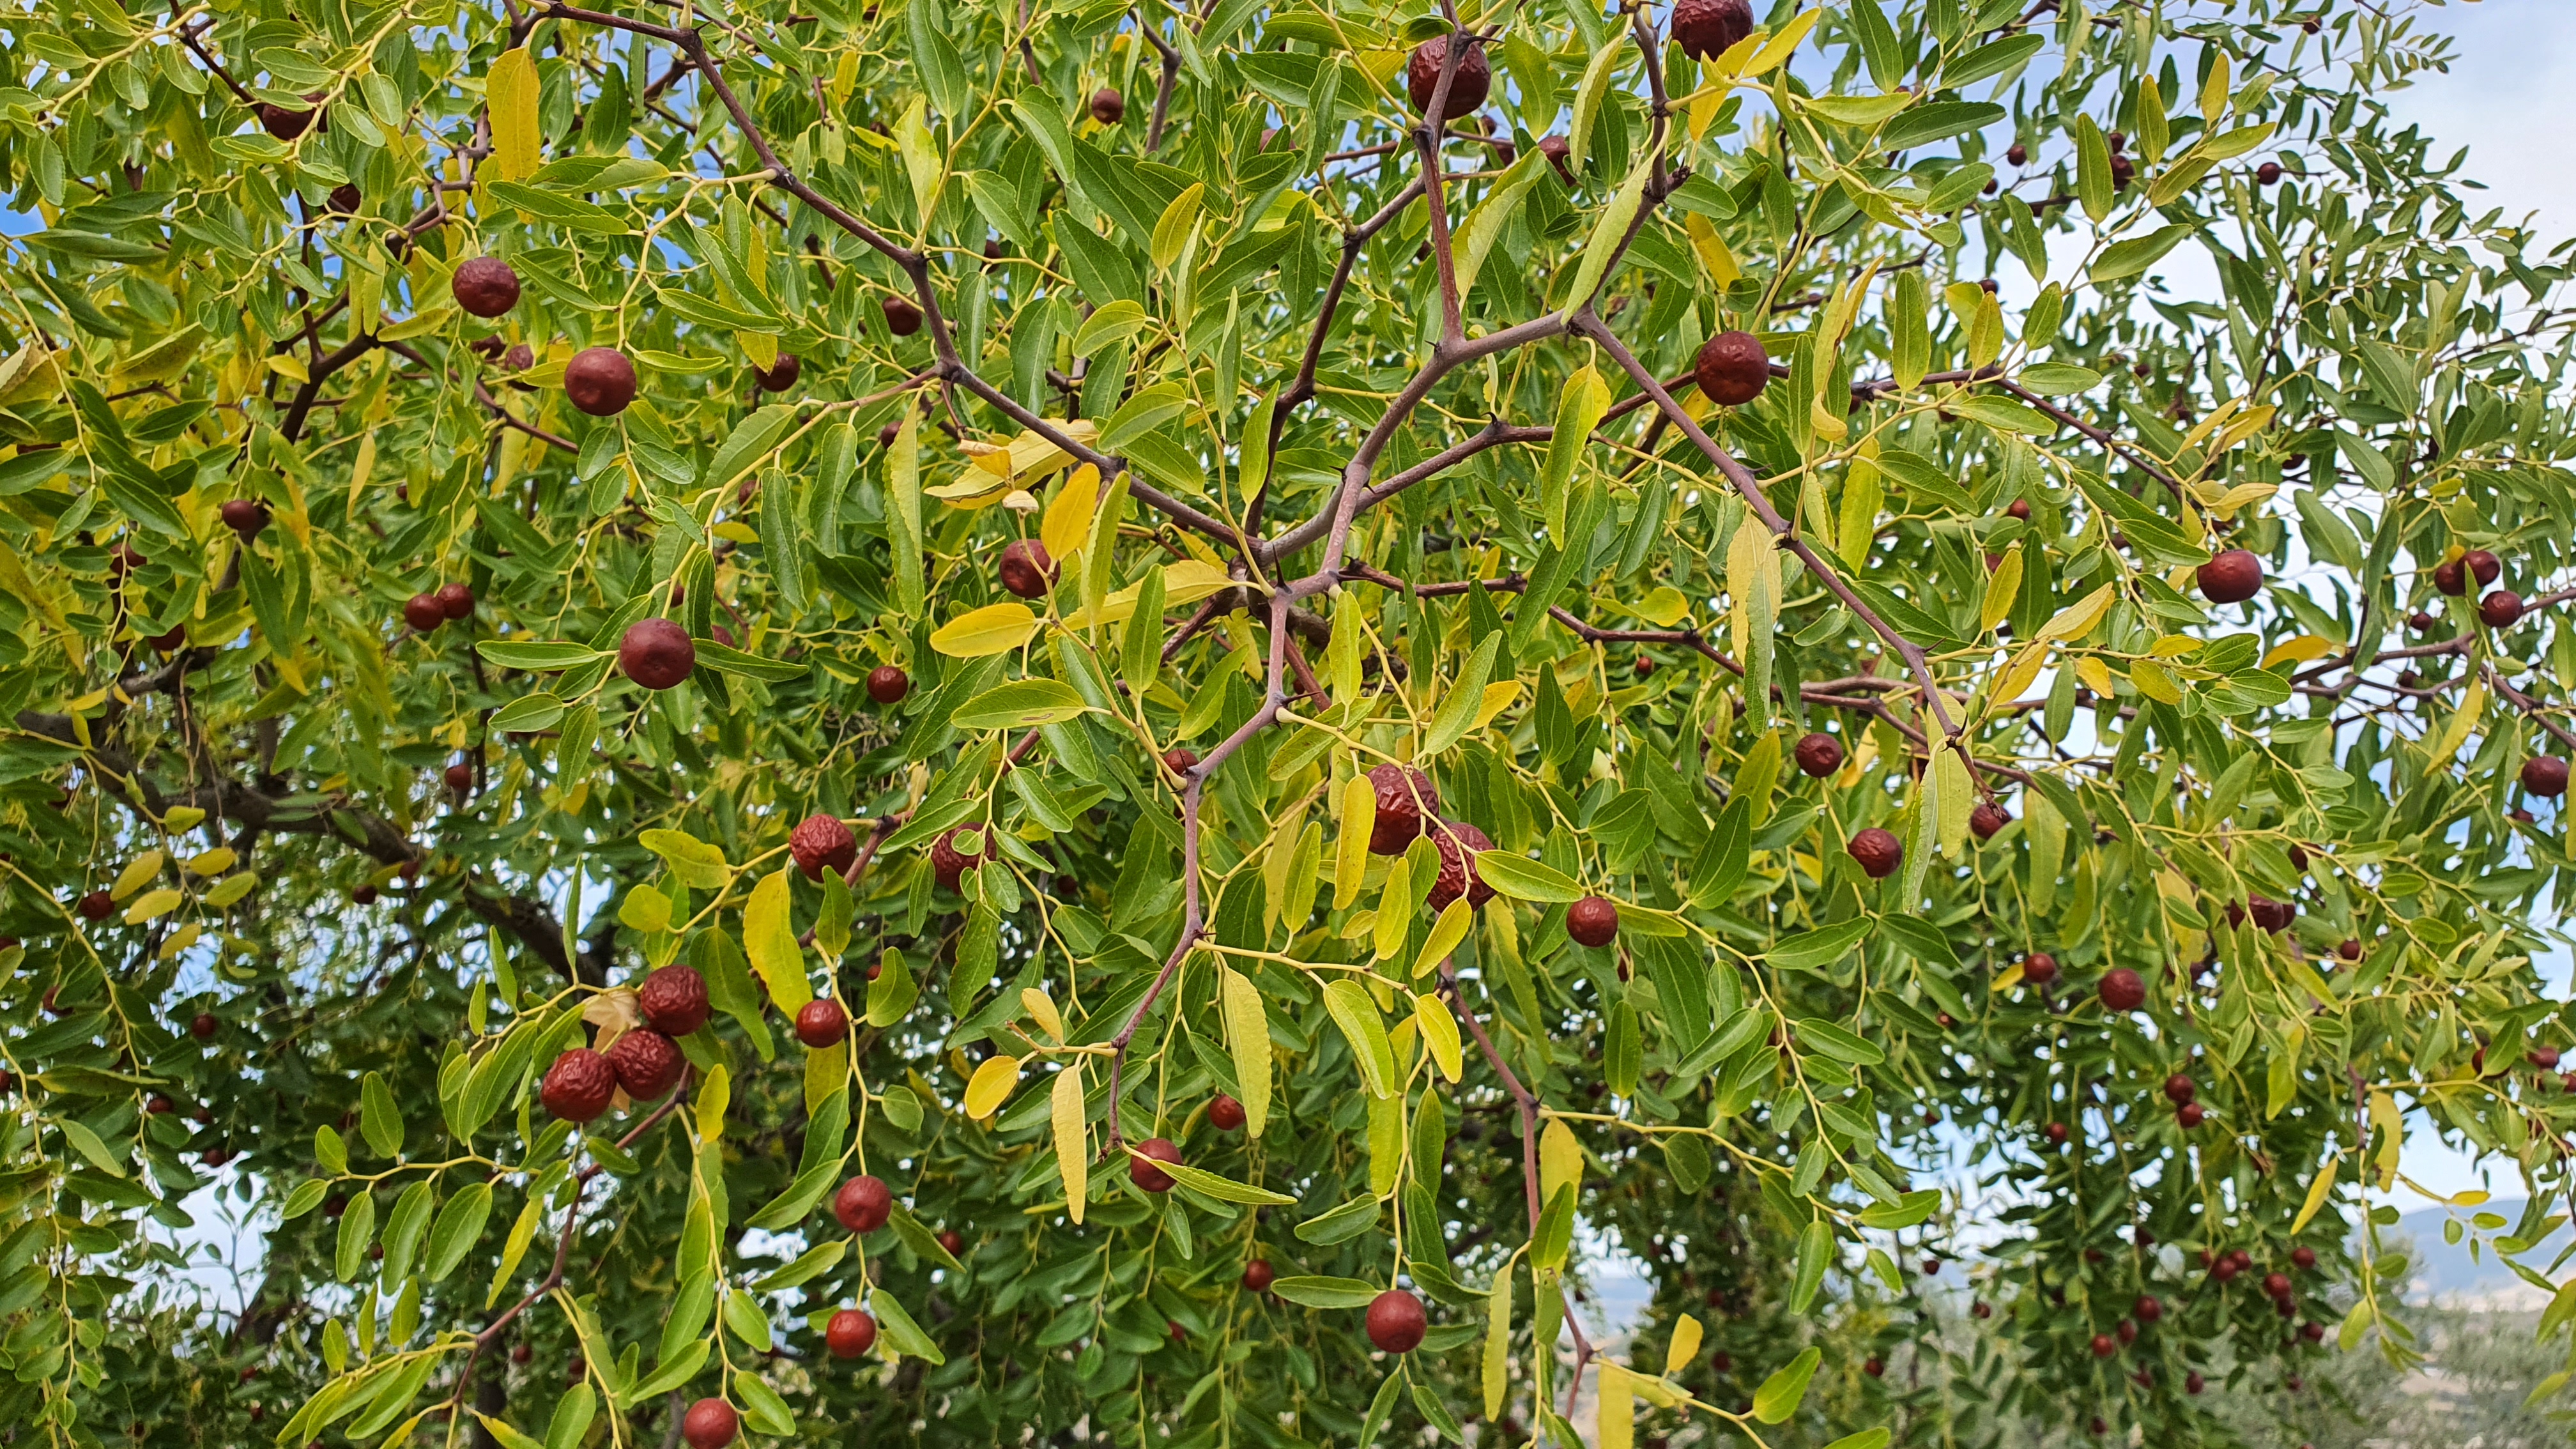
x=1440 y=1032
x=1348 y=1003
x=1455 y=919
x=511 y=92
x=992 y=629
x=1072 y=1142
x=769 y=939
x=1247 y=1034
x=991 y=1086
x=2318 y=1192
x=1350 y=858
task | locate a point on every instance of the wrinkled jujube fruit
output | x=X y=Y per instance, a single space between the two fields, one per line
x=1458 y=843
x=1707 y=29
x=673 y=1000
x=1987 y=818
x=1877 y=852
x=1405 y=798
x=647 y=1064
x=1818 y=755
x=656 y=653
x=1108 y=107
x=579 y=1085
x=1732 y=369
x=947 y=862
x=1467 y=89
x=820 y=843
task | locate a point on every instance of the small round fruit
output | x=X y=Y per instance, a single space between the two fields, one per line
x=2349 y=950
x=455 y=600
x=1593 y=920
x=947 y=862
x=2057 y=1134
x=1873 y=1366
x=364 y=895
x=673 y=1000
x=245 y=516
x=1140 y=1165
x=2018 y=508
x=579 y=1085
x=286 y=122
x=2304 y=1257
x=863 y=1204
x=1818 y=755
x=951 y=1242
x=2271 y=915
x=1467 y=89
x=710 y=1424
x=203 y=1025
x=2501 y=609
x=648 y=1064
x=2104 y=1345
x=600 y=381
x=2148 y=1308
x=1877 y=852
x=1987 y=818
x=820 y=843
x=2421 y=622
x=459 y=777
x=902 y=318
x=2122 y=990
x=2483 y=566
x=1257 y=1275
x=1458 y=844
x=1396 y=1321
x=656 y=653
x=1732 y=369
x=422 y=613
x=2193 y=1383
x=2231 y=578
x=2180 y=1089
x=96 y=905
x=1707 y=29
x=1180 y=759
x=2452 y=577
x=1108 y=107
x=346 y=198
x=2189 y=1115
x=850 y=1333
x=485 y=286
x=2544 y=775
x=821 y=1022
x=778 y=376
x=1405 y=799
x=1224 y=1113
x=888 y=684
x=2267 y=174
x=2277 y=1284
x=1026 y=569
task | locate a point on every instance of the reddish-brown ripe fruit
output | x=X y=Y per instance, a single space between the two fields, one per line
x=1987 y=818
x=1141 y=1169
x=2267 y=173
x=2350 y=950
x=863 y=1204
x=821 y=1022
x=2271 y=915
x=422 y=613
x=1818 y=755
x=2304 y=1257
x=656 y=653
x=1405 y=799
x=902 y=318
x=647 y=1064
x=674 y=1000
x=778 y=376
x=288 y=122
x=2313 y=1331
x=1467 y=89
x=521 y=1353
x=1180 y=759
x=125 y=558
x=2104 y=1346
x=947 y=862
x=600 y=381
x=346 y=198
x=2544 y=775
x=1555 y=149
x=888 y=684
x=710 y=1424
x=455 y=600
x=245 y=516
x=2057 y=1134
x=2193 y=1383
x=2019 y=508
x=2189 y=1115
x=1396 y=1321
x=1593 y=920
x=578 y=1086
x=2017 y=154
x=850 y=1333
x=951 y=1241
x=2180 y=1089
x=2421 y=622
x=1873 y=1366
x=2483 y=566
x=203 y=1025
x=2122 y=990
x=2231 y=578
x=364 y=895
x=1026 y=568
x=1877 y=852
x=2501 y=609
x=1108 y=107
x=2277 y=1284
x=485 y=286
x=1458 y=844
x=2148 y=1308
x=1706 y=29
x=1257 y=1275
x=1224 y=1113
x=460 y=777
x=96 y=905
x=2452 y=578
x=2040 y=969
x=1732 y=369
x=820 y=843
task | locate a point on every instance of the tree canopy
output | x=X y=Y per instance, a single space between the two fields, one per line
x=986 y=723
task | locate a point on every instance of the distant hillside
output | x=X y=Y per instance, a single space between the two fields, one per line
x=2444 y=1270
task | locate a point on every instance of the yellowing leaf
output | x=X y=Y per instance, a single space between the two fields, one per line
x=1072 y=1141
x=1560 y=1159
x=991 y=1086
x=2299 y=650
x=1685 y=1349
x=511 y=93
x=992 y=629
x=2318 y=1192
x=1777 y=49
x=1455 y=919
x=1394 y=908
x=2455 y=733
x=1497 y=698
x=152 y=904
x=1185 y=582
x=770 y=941
x=2002 y=587
x=1498 y=1341
x=1041 y=1009
x=2018 y=675
x=212 y=862
x=1247 y=1033
x=1665 y=606
x=2077 y=619
x=1027 y=459
x=1440 y=1032
x=2095 y=674
x=1710 y=247
x=1068 y=518
x=137 y=873
x=1350 y=859
x=1616 y=1414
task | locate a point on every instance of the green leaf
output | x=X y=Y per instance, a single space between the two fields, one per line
x=1815 y=1254
x=1523 y=879
x=2129 y=258
x=1224 y=1189
x=1780 y=1394
x=1458 y=708
x=545 y=656
x=1019 y=705
x=1326 y=1292
x=378 y=1118
x=1351 y=1009
x=1608 y=232
x=1347 y=1221
x=899 y=1330
x=459 y=1227
x=1816 y=950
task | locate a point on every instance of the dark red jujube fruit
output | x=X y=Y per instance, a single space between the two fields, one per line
x=656 y=653
x=1732 y=369
x=821 y=1022
x=710 y=1424
x=863 y=1204
x=820 y=843
x=485 y=286
x=647 y=1064
x=673 y=1000
x=2544 y=775
x=1224 y=1113
x=2122 y=990
x=1707 y=29
x=600 y=381
x=1405 y=798
x=888 y=684
x=1593 y=920
x=579 y=1085
x=850 y=1333
x=2231 y=578
x=1818 y=755
x=1396 y=1321
x=1141 y=1169
x=1458 y=843
x=1877 y=852
x=1467 y=89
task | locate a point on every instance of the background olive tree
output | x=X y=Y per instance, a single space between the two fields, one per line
x=1338 y=758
